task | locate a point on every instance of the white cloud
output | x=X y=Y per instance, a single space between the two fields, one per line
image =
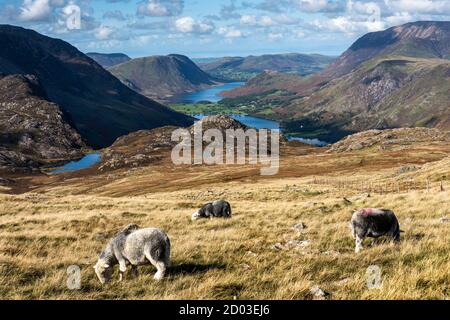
x=419 y=6
x=268 y=21
x=189 y=25
x=35 y=10
x=346 y=25
x=251 y=20
x=161 y=8
x=230 y=32
x=275 y=36
x=103 y=32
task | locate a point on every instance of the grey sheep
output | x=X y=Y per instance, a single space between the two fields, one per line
x=134 y=247
x=216 y=209
x=374 y=223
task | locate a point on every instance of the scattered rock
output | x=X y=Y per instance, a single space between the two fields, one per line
x=299 y=227
x=407 y=168
x=278 y=246
x=346 y=201
x=101 y=236
x=245 y=267
x=250 y=253
x=291 y=244
x=445 y=219
x=319 y=294
x=342 y=282
x=331 y=253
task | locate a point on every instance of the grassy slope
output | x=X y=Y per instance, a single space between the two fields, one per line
x=69 y=219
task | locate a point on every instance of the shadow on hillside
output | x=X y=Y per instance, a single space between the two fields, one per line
x=193 y=268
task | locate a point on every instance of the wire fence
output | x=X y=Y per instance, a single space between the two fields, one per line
x=381 y=187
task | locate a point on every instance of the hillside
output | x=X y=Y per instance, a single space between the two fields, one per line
x=160 y=77
x=95 y=103
x=393 y=78
x=390 y=139
x=267 y=81
x=242 y=69
x=107 y=60
x=33 y=130
x=389 y=92
x=294 y=224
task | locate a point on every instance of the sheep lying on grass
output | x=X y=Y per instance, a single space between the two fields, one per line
x=135 y=247
x=216 y=209
x=374 y=223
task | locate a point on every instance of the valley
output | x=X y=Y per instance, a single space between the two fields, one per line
x=87 y=148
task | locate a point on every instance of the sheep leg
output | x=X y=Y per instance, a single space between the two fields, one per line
x=359 y=242
x=157 y=263
x=134 y=271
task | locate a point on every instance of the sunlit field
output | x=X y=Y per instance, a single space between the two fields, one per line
x=257 y=254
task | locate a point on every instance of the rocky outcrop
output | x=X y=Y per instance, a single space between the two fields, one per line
x=388 y=139
x=145 y=147
x=33 y=131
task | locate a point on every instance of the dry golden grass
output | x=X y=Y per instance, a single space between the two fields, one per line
x=69 y=222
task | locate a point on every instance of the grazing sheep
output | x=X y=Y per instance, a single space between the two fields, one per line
x=216 y=209
x=135 y=247
x=374 y=223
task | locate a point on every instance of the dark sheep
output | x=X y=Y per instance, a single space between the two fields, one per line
x=216 y=209
x=374 y=223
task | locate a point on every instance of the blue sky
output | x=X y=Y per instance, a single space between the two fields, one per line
x=210 y=28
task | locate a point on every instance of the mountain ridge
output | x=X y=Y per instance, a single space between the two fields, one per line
x=245 y=68
x=107 y=60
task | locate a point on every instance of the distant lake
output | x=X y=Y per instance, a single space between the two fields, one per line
x=260 y=123
x=210 y=94
x=86 y=162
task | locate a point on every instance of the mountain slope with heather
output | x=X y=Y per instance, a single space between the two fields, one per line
x=242 y=69
x=107 y=60
x=94 y=102
x=160 y=77
x=388 y=92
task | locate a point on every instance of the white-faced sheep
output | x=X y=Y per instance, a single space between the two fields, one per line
x=134 y=247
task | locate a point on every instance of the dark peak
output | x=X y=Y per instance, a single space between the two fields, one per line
x=179 y=56
x=108 y=54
